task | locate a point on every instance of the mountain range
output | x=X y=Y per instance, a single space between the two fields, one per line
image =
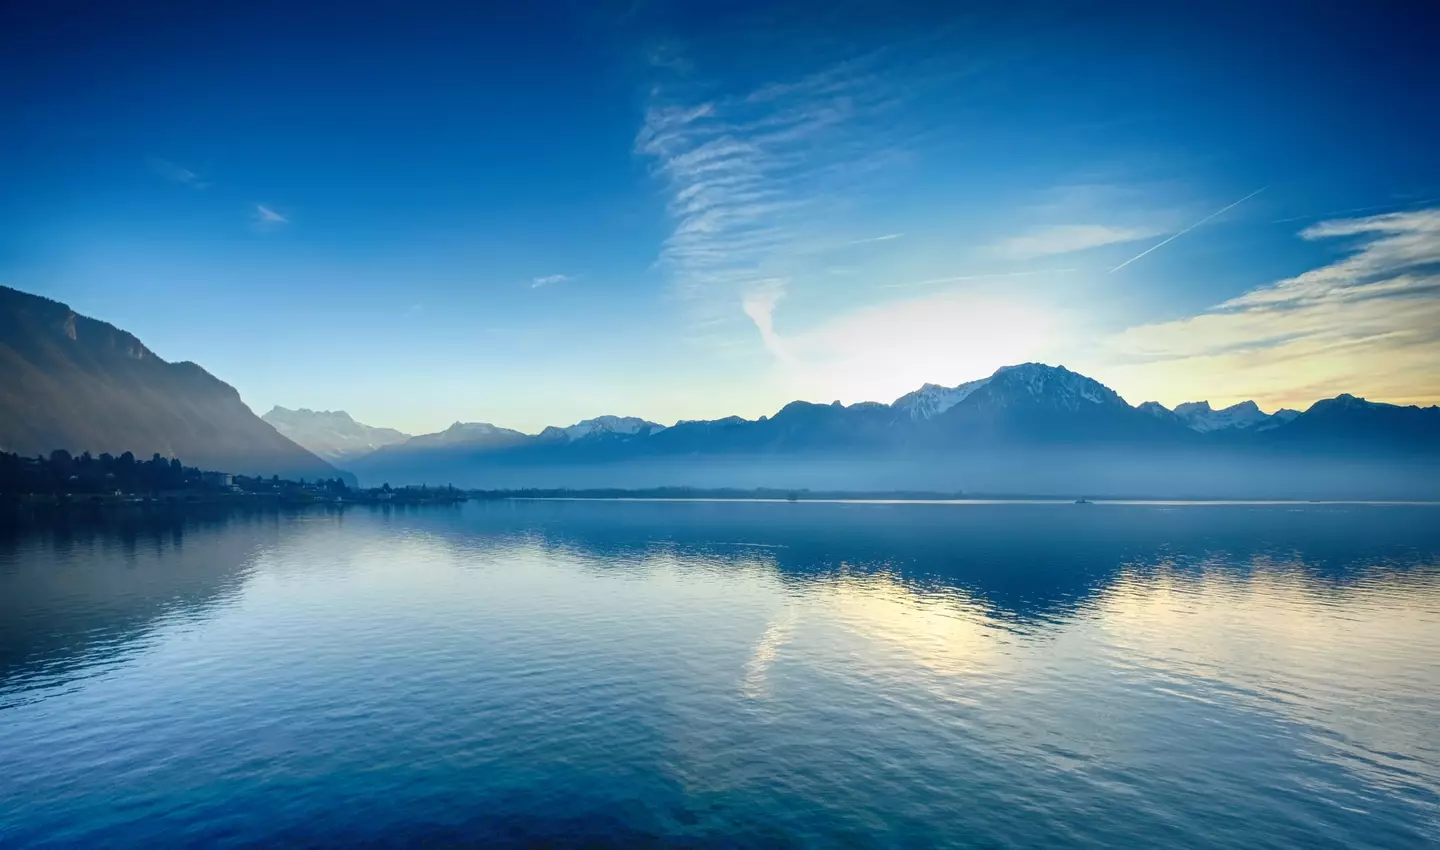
x=1028 y=428
x=70 y=382
x=75 y=383
x=331 y=434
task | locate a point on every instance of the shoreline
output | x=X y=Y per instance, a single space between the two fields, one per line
x=991 y=500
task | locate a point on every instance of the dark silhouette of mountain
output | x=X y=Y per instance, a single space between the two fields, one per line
x=1030 y=428
x=75 y=383
x=1352 y=425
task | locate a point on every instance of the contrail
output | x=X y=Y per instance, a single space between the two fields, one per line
x=1187 y=230
x=1353 y=210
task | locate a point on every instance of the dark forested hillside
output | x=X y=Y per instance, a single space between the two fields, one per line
x=75 y=383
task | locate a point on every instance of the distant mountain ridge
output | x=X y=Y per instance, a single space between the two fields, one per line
x=933 y=399
x=331 y=434
x=76 y=383
x=465 y=434
x=624 y=425
x=67 y=381
x=1026 y=428
x=1200 y=416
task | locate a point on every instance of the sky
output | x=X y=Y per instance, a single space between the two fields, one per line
x=532 y=215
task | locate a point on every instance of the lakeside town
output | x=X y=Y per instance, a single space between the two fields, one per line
x=105 y=479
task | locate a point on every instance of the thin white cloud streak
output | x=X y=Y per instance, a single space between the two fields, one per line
x=1067 y=239
x=267 y=217
x=1367 y=323
x=759 y=305
x=886 y=238
x=546 y=280
x=1175 y=236
x=177 y=173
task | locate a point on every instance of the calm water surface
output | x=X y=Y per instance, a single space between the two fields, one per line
x=726 y=673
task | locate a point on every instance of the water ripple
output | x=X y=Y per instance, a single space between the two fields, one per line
x=728 y=674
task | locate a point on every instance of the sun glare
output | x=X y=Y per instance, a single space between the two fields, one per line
x=880 y=353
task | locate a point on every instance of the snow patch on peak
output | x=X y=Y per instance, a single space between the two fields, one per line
x=933 y=399
x=610 y=425
x=1200 y=416
x=725 y=421
x=1056 y=384
x=1283 y=416
x=331 y=434
x=466 y=430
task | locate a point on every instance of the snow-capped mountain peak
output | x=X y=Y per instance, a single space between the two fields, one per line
x=467 y=434
x=1155 y=409
x=1057 y=385
x=1200 y=416
x=331 y=434
x=1283 y=416
x=625 y=425
x=933 y=399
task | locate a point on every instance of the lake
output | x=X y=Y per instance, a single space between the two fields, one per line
x=725 y=673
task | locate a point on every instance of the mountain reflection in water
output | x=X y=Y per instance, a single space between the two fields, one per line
x=755 y=673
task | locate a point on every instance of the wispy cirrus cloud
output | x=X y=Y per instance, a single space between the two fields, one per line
x=177 y=173
x=1368 y=322
x=266 y=218
x=1067 y=239
x=547 y=280
x=751 y=178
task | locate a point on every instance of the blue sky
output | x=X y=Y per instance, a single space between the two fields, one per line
x=686 y=210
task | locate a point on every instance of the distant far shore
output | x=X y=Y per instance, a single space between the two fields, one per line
x=768 y=494
x=286 y=495
x=763 y=494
